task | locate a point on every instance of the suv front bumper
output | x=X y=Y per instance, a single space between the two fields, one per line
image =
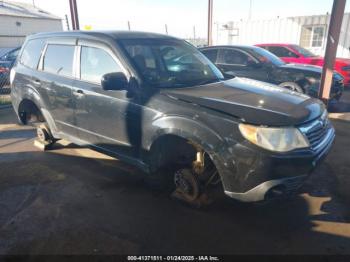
x=257 y=175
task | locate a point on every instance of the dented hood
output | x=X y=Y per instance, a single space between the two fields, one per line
x=252 y=101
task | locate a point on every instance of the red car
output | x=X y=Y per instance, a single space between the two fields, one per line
x=291 y=53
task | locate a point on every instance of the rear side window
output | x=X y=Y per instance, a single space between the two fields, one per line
x=281 y=51
x=58 y=59
x=32 y=52
x=211 y=54
x=233 y=57
x=95 y=63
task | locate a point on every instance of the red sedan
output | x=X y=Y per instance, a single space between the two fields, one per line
x=291 y=53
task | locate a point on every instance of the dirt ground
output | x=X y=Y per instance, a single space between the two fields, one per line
x=72 y=200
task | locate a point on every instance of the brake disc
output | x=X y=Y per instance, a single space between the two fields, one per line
x=186 y=184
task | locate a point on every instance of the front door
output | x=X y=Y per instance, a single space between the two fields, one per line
x=241 y=64
x=100 y=114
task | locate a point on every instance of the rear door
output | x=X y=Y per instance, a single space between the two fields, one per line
x=239 y=63
x=286 y=54
x=56 y=77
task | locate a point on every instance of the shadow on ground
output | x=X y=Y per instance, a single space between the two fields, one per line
x=53 y=203
x=85 y=206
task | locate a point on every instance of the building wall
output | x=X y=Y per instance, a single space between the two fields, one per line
x=14 y=29
x=283 y=30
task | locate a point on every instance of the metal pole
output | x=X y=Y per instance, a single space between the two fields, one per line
x=166 y=28
x=331 y=48
x=67 y=23
x=210 y=22
x=129 y=26
x=194 y=32
x=74 y=14
x=250 y=10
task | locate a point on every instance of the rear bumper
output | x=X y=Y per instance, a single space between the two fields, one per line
x=347 y=81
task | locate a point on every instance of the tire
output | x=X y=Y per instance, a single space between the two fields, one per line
x=162 y=180
x=292 y=86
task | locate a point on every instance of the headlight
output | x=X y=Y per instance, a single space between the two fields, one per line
x=274 y=139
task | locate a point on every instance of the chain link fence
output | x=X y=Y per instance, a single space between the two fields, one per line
x=7 y=59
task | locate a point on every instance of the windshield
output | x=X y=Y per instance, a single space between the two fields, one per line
x=166 y=63
x=303 y=51
x=266 y=56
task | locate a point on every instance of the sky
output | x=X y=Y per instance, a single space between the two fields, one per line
x=182 y=17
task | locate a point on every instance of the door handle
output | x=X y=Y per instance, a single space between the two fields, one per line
x=78 y=93
x=37 y=81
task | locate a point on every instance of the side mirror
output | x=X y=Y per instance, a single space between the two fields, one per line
x=114 y=81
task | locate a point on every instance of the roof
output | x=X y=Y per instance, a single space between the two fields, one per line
x=274 y=44
x=104 y=34
x=11 y=8
x=230 y=46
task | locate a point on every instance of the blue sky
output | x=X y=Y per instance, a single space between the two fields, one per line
x=179 y=15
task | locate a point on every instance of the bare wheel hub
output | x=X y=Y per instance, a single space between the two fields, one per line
x=186 y=184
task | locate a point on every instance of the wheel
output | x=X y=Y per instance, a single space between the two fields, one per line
x=292 y=86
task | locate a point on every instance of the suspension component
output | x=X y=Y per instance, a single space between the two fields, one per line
x=198 y=164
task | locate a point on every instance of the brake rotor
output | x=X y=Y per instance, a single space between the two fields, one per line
x=187 y=185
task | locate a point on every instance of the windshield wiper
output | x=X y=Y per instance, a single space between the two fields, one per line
x=208 y=81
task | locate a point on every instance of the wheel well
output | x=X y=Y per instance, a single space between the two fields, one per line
x=28 y=111
x=171 y=150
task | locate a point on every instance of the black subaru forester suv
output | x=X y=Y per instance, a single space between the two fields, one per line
x=156 y=102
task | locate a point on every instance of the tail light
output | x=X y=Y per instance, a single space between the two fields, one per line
x=4 y=70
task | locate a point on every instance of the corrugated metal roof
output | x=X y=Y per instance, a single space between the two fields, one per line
x=11 y=8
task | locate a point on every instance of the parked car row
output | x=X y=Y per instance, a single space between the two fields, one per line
x=259 y=64
x=157 y=102
x=296 y=54
x=7 y=60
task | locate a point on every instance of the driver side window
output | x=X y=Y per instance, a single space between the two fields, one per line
x=95 y=63
x=233 y=57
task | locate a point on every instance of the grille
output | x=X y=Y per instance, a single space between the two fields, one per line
x=317 y=131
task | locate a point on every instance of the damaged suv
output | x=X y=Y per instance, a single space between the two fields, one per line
x=156 y=102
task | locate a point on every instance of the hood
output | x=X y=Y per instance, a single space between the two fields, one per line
x=303 y=67
x=252 y=101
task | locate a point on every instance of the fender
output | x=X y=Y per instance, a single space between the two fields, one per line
x=33 y=95
x=188 y=129
x=194 y=131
